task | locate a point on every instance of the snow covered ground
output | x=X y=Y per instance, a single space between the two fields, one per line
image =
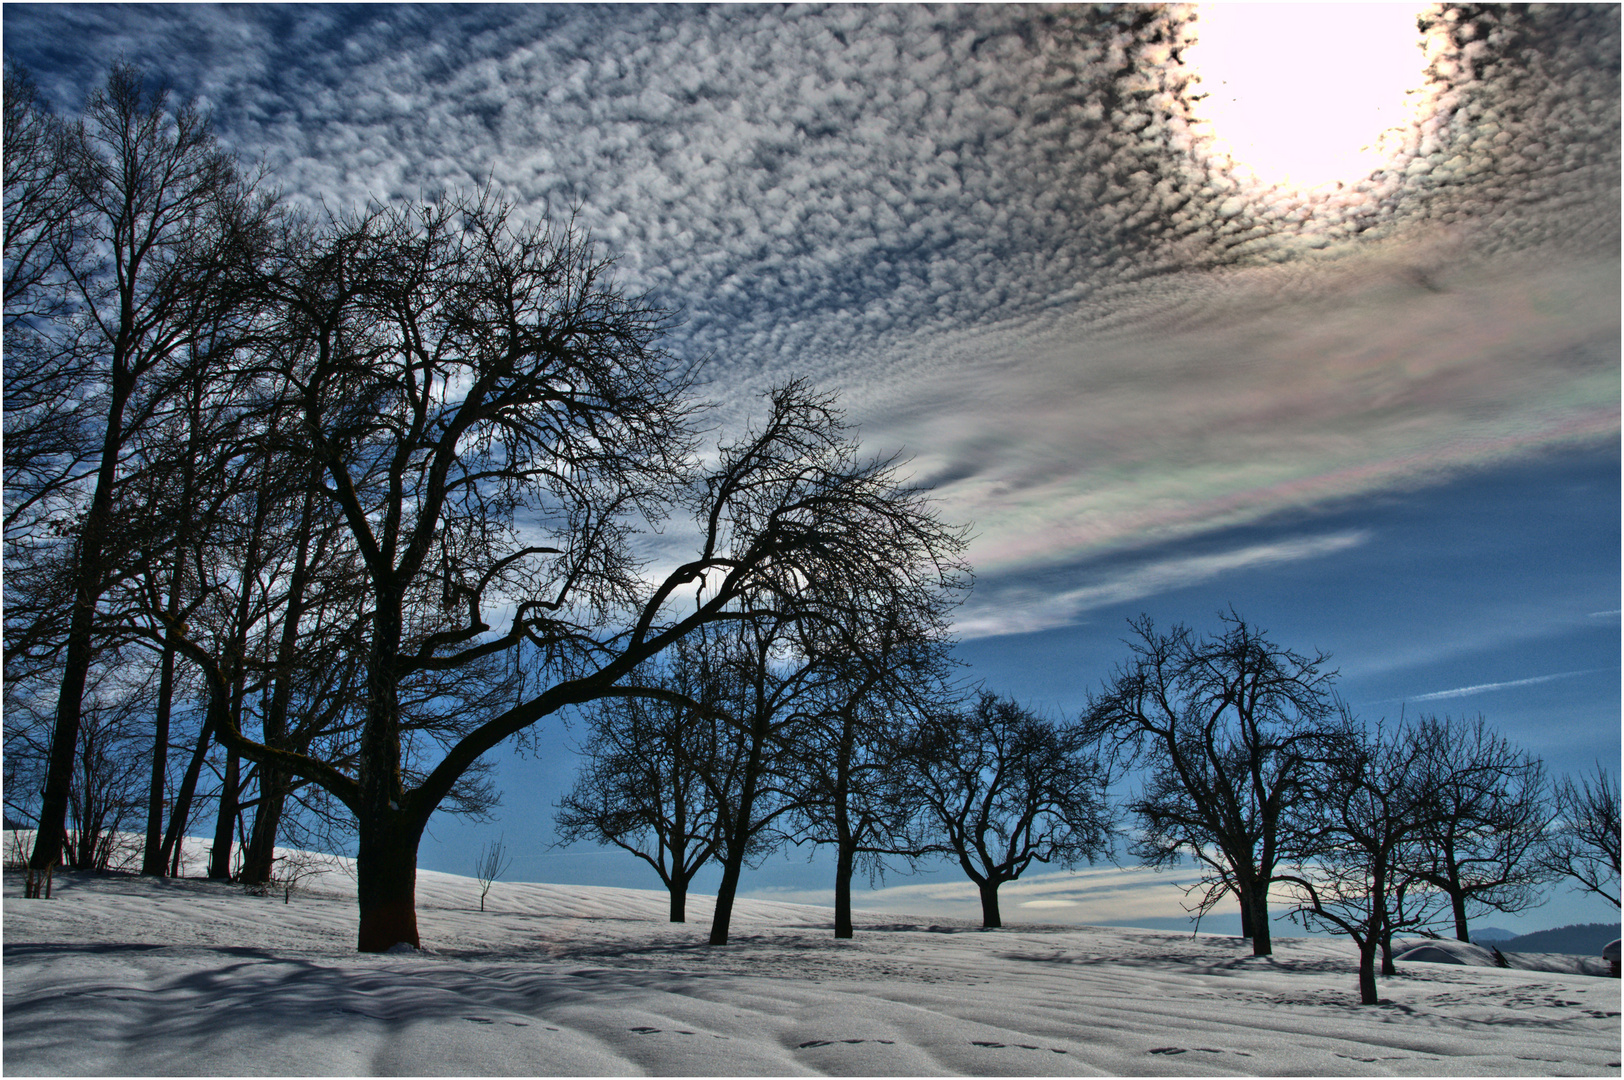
x=131 y=976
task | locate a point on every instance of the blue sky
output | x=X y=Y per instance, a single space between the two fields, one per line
x=1379 y=419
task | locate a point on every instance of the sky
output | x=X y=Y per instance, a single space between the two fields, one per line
x=1302 y=309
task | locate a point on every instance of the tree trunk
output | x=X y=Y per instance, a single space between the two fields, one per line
x=679 y=900
x=260 y=856
x=88 y=582
x=152 y=852
x=1367 y=971
x=1387 y=953
x=989 y=905
x=181 y=812
x=1246 y=916
x=53 y=814
x=844 y=859
x=225 y=824
x=1262 y=942
x=732 y=868
x=386 y=881
x=1457 y=901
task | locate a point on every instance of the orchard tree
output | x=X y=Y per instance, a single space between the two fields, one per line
x=1230 y=728
x=1371 y=801
x=1005 y=788
x=1487 y=813
x=494 y=420
x=1583 y=845
x=657 y=777
x=882 y=676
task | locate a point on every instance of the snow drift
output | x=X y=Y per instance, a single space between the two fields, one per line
x=123 y=975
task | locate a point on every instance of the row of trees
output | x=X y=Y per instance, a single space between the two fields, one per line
x=1256 y=771
x=367 y=488
x=873 y=771
x=1248 y=765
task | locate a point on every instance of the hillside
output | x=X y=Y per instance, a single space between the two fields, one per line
x=1584 y=939
x=129 y=976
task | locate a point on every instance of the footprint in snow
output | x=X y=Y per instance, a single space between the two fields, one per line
x=1023 y=1046
x=1170 y=1050
x=830 y=1042
x=656 y=1031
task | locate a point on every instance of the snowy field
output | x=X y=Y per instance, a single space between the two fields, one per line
x=130 y=976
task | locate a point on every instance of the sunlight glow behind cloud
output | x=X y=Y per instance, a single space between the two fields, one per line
x=1300 y=94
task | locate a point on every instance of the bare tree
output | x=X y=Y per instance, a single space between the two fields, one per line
x=161 y=215
x=493 y=419
x=883 y=675
x=1230 y=727
x=1485 y=821
x=655 y=779
x=1006 y=789
x=1584 y=843
x=1372 y=801
x=492 y=863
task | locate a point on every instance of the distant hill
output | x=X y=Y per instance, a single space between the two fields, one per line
x=1585 y=939
x=1491 y=935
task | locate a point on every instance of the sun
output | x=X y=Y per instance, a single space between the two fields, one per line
x=1300 y=94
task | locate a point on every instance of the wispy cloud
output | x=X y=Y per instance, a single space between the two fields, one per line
x=1484 y=688
x=993 y=227
x=1020 y=609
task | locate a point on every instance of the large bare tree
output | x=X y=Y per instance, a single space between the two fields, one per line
x=1480 y=840
x=494 y=420
x=1229 y=727
x=1371 y=800
x=657 y=778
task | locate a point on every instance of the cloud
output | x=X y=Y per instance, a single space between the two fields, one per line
x=1484 y=688
x=995 y=228
x=1020 y=608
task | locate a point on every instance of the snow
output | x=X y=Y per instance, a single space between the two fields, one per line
x=135 y=976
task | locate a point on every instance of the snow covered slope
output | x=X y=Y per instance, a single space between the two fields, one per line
x=122 y=975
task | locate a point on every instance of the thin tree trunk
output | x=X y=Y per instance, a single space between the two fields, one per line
x=844 y=859
x=260 y=853
x=152 y=853
x=1457 y=901
x=181 y=812
x=225 y=823
x=989 y=905
x=88 y=581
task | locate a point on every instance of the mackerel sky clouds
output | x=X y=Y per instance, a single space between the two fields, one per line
x=1011 y=236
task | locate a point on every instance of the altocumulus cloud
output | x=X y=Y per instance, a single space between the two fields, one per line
x=996 y=229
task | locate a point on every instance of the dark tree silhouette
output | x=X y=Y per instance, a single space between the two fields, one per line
x=656 y=777
x=1485 y=822
x=1583 y=846
x=494 y=419
x=159 y=219
x=764 y=688
x=1006 y=788
x=1372 y=800
x=1230 y=727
